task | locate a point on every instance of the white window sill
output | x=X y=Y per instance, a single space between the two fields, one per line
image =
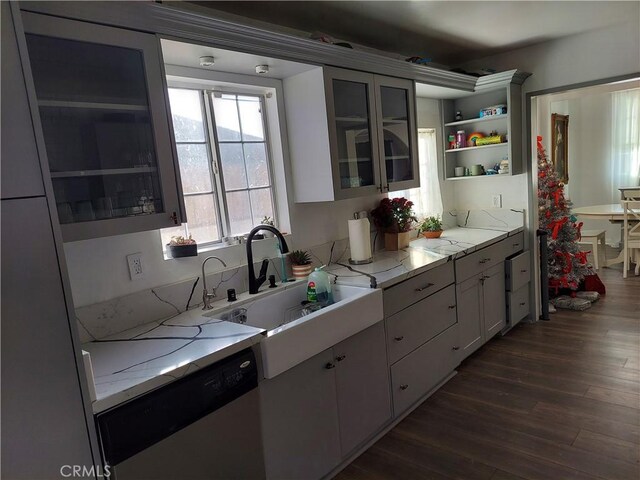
x=221 y=248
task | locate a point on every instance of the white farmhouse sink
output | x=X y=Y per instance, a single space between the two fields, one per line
x=294 y=334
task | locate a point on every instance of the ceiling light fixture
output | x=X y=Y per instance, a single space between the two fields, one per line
x=262 y=69
x=207 y=61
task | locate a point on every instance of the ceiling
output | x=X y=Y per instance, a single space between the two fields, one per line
x=447 y=32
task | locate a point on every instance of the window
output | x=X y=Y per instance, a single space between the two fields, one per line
x=427 y=200
x=224 y=163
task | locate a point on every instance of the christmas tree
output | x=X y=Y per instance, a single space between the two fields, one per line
x=567 y=264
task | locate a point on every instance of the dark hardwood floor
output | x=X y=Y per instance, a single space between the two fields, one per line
x=551 y=400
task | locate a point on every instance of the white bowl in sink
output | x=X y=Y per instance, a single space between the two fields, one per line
x=295 y=333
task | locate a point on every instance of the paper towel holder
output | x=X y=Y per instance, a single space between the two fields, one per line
x=356 y=216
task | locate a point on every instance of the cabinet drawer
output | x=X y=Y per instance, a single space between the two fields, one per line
x=479 y=261
x=415 y=289
x=518 y=304
x=415 y=325
x=420 y=371
x=518 y=271
x=514 y=244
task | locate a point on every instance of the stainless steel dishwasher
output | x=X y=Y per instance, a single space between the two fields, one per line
x=203 y=426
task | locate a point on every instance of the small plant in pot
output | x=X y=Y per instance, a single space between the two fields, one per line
x=431 y=227
x=266 y=220
x=180 y=247
x=300 y=263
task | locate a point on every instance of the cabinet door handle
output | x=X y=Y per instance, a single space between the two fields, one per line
x=174 y=217
x=404 y=386
x=522 y=304
x=428 y=285
x=451 y=307
x=523 y=271
x=455 y=348
x=330 y=365
x=516 y=244
x=398 y=339
x=339 y=358
x=485 y=260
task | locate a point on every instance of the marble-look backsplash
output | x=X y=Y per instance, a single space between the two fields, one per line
x=113 y=316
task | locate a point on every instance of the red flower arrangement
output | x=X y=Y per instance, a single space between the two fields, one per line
x=394 y=215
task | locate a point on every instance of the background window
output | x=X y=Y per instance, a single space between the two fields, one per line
x=224 y=163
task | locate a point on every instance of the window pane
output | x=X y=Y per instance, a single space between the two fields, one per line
x=233 y=166
x=186 y=112
x=226 y=114
x=251 y=119
x=256 y=159
x=202 y=216
x=261 y=204
x=239 y=212
x=194 y=168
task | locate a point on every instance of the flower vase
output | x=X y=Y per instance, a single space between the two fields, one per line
x=396 y=241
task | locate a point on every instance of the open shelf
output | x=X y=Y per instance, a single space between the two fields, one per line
x=92 y=105
x=396 y=157
x=351 y=160
x=476 y=148
x=467 y=177
x=477 y=120
x=110 y=171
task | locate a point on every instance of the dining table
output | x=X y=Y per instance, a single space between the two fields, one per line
x=612 y=212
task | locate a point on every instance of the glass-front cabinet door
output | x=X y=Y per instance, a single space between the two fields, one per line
x=353 y=136
x=395 y=103
x=104 y=119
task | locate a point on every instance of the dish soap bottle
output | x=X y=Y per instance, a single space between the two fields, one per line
x=319 y=287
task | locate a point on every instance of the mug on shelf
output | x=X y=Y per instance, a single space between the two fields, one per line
x=477 y=169
x=459 y=171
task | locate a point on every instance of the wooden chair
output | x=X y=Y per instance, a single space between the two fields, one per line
x=595 y=238
x=631 y=232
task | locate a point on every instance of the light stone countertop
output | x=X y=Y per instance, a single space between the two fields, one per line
x=390 y=268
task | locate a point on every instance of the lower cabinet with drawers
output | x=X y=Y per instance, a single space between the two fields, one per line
x=518 y=279
x=422 y=334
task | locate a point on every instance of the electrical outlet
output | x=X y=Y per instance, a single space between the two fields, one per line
x=135 y=266
x=497 y=201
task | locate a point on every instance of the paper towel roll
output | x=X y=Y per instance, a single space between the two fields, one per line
x=360 y=239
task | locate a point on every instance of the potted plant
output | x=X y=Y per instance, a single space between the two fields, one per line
x=395 y=218
x=180 y=246
x=431 y=227
x=300 y=263
x=266 y=220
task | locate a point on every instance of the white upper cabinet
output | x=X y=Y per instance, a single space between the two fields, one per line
x=102 y=105
x=350 y=133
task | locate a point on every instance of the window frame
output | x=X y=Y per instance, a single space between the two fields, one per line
x=206 y=95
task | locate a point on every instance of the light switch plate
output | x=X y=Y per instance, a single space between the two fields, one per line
x=136 y=271
x=497 y=201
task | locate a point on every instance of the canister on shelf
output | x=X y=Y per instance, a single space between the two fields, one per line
x=461 y=139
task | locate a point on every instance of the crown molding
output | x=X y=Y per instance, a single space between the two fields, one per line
x=179 y=24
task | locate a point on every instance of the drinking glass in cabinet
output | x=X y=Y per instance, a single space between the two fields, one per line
x=97 y=127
